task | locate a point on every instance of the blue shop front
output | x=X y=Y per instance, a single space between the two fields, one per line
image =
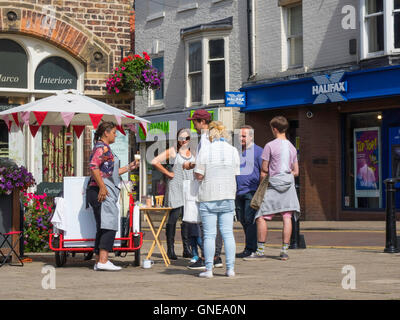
x=346 y=128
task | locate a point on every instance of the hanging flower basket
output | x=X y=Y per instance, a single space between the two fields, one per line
x=134 y=74
x=14 y=177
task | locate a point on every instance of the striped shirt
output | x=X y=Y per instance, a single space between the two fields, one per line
x=219 y=163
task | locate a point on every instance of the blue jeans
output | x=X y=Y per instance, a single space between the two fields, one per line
x=223 y=212
x=246 y=215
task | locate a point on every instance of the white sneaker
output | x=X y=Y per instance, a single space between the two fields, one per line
x=206 y=274
x=108 y=266
x=230 y=273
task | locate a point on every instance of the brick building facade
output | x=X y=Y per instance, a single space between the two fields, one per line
x=88 y=36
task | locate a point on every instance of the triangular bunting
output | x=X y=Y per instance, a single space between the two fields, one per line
x=34 y=129
x=95 y=119
x=78 y=130
x=40 y=115
x=132 y=117
x=67 y=117
x=7 y=121
x=21 y=126
x=121 y=129
x=55 y=130
x=132 y=127
x=118 y=118
x=143 y=125
x=15 y=116
x=25 y=116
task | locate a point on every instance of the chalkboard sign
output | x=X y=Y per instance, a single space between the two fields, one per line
x=55 y=73
x=52 y=189
x=13 y=66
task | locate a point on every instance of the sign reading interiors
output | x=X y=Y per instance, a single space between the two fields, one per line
x=55 y=73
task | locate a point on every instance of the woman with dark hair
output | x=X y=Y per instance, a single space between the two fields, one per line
x=175 y=200
x=103 y=193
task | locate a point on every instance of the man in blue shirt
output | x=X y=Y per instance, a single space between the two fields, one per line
x=247 y=184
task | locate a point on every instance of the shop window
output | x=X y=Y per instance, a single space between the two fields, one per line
x=158 y=95
x=195 y=72
x=58 y=154
x=206 y=76
x=295 y=36
x=362 y=161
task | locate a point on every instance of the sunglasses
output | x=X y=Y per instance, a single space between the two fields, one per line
x=184 y=138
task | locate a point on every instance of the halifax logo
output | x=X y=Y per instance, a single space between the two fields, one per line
x=329 y=88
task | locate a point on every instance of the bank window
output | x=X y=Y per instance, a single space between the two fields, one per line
x=380 y=27
x=58 y=153
x=362 y=161
x=158 y=95
x=396 y=23
x=295 y=36
x=195 y=76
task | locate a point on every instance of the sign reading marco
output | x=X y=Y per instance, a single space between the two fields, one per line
x=13 y=65
x=329 y=88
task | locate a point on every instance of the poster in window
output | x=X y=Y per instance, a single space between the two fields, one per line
x=367 y=162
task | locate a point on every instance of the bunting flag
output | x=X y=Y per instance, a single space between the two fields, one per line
x=132 y=117
x=21 y=126
x=25 y=117
x=118 y=118
x=15 y=116
x=67 y=117
x=7 y=121
x=55 y=130
x=132 y=127
x=121 y=129
x=34 y=129
x=143 y=125
x=40 y=116
x=78 y=130
x=95 y=119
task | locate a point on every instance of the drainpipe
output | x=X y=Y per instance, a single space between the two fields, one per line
x=251 y=36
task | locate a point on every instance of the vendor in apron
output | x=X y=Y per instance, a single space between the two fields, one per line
x=103 y=193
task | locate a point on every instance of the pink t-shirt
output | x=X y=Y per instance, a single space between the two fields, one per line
x=281 y=154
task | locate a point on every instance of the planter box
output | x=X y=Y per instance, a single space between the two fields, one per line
x=10 y=217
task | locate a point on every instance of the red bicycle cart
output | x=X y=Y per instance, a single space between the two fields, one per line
x=133 y=242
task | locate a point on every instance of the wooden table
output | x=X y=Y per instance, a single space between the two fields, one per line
x=147 y=211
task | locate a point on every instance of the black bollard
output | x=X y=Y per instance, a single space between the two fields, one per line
x=295 y=237
x=391 y=235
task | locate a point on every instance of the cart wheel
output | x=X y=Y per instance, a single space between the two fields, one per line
x=61 y=256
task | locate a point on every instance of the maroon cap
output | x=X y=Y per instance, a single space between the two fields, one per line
x=200 y=114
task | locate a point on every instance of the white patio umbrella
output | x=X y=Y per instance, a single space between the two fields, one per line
x=68 y=107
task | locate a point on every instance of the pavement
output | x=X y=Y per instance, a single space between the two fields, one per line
x=339 y=269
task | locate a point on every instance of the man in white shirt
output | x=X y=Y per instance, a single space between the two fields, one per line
x=201 y=119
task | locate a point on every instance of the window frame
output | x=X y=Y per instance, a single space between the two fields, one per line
x=287 y=10
x=204 y=38
x=388 y=30
x=157 y=103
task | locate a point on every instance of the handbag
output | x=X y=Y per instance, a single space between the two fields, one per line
x=259 y=195
x=190 y=205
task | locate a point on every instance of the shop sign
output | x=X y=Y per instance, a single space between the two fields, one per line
x=13 y=66
x=367 y=162
x=52 y=189
x=329 y=88
x=235 y=99
x=55 y=73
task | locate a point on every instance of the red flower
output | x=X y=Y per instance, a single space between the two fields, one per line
x=125 y=60
x=137 y=56
x=146 y=56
